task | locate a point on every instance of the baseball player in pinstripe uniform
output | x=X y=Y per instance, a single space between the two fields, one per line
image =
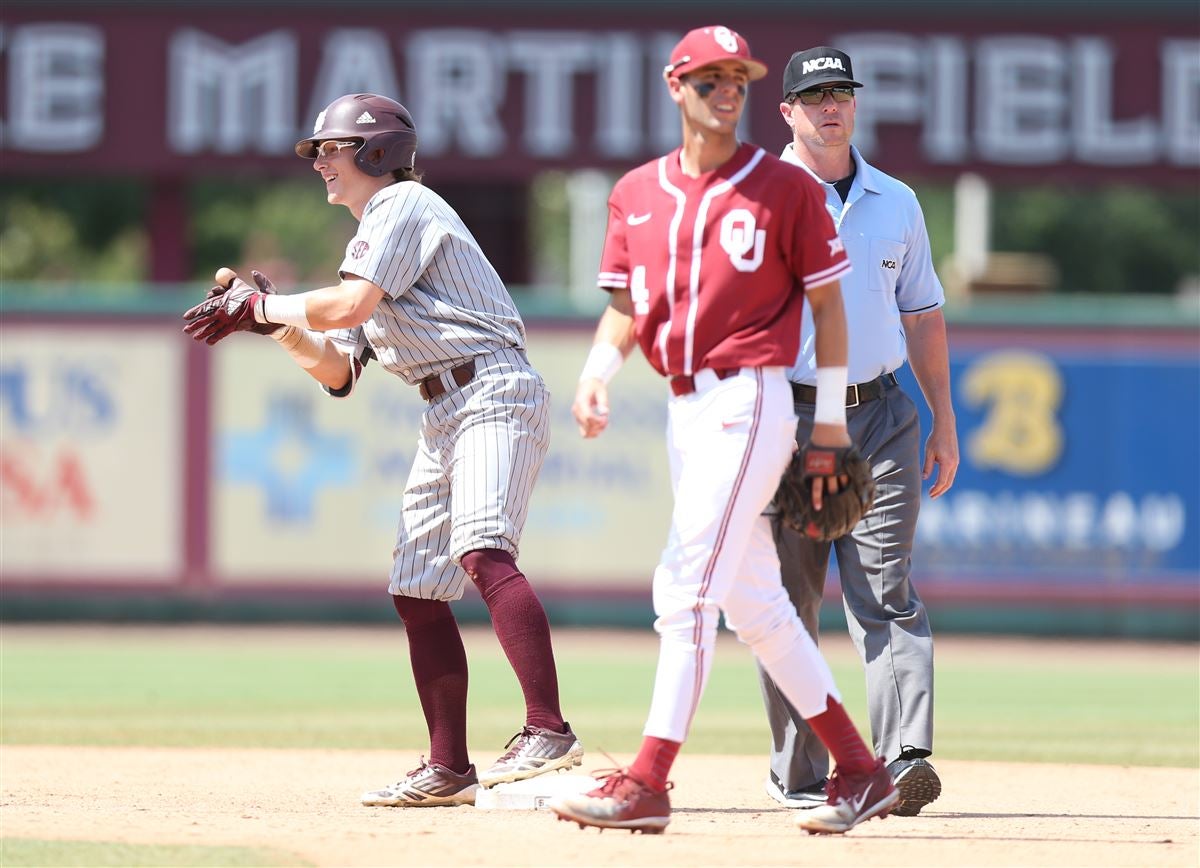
x=417 y=294
x=893 y=310
x=709 y=253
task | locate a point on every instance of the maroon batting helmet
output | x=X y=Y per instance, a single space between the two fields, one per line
x=386 y=129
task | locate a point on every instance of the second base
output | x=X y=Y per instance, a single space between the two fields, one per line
x=532 y=794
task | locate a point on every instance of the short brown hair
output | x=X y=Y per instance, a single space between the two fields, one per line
x=409 y=174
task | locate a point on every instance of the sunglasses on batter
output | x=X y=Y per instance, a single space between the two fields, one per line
x=816 y=95
x=330 y=147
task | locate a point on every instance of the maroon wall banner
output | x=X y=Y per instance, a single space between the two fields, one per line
x=170 y=92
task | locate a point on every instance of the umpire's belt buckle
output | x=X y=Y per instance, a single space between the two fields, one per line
x=439 y=384
x=852 y=390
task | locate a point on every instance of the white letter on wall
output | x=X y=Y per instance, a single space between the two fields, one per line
x=1021 y=100
x=55 y=88
x=664 y=114
x=945 y=135
x=1098 y=138
x=231 y=98
x=353 y=61
x=1181 y=100
x=889 y=66
x=620 y=65
x=456 y=83
x=550 y=59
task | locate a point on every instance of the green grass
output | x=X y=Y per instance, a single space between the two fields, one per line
x=102 y=854
x=352 y=689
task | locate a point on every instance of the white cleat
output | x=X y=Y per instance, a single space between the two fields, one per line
x=534 y=751
x=429 y=786
x=852 y=799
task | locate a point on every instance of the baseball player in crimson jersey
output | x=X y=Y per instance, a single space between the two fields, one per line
x=709 y=252
x=417 y=294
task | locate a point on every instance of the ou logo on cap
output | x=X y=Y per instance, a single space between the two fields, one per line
x=727 y=39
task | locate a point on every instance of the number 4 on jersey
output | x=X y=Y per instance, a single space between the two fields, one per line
x=639 y=292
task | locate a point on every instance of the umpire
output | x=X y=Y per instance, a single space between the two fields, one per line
x=893 y=304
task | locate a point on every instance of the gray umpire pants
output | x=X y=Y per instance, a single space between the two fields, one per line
x=886 y=618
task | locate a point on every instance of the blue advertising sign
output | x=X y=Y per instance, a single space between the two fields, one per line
x=1080 y=464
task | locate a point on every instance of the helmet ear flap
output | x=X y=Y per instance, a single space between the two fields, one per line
x=372 y=156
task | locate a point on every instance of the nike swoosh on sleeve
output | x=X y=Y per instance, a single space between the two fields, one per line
x=637 y=219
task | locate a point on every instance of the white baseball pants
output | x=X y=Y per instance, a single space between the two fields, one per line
x=728 y=444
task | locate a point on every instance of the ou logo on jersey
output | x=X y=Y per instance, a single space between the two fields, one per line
x=742 y=240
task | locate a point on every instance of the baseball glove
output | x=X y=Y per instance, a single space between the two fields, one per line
x=229 y=307
x=840 y=510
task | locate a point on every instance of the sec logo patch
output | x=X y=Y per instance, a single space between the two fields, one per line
x=359 y=249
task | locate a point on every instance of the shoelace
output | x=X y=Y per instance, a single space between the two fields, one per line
x=836 y=788
x=422 y=767
x=609 y=780
x=839 y=789
x=519 y=739
x=614 y=777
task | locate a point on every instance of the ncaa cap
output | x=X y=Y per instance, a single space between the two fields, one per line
x=817 y=66
x=706 y=45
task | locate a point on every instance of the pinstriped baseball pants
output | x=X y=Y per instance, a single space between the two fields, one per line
x=479 y=453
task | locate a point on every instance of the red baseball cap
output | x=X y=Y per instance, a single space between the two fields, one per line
x=706 y=45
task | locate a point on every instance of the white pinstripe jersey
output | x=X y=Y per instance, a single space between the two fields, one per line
x=443 y=302
x=717 y=265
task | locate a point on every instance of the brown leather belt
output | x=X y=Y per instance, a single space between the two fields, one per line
x=435 y=387
x=856 y=393
x=685 y=385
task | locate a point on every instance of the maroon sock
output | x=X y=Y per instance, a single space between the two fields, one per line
x=439 y=665
x=524 y=633
x=654 y=761
x=835 y=728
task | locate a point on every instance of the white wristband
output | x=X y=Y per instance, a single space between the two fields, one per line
x=602 y=363
x=284 y=310
x=831 y=396
x=306 y=347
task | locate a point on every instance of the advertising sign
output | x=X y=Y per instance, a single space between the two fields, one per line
x=1079 y=471
x=91 y=457
x=1080 y=466
x=501 y=96
x=307 y=489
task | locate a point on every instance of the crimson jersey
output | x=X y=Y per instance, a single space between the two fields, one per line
x=717 y=265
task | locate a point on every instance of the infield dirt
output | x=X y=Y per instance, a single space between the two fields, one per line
x=306 y=803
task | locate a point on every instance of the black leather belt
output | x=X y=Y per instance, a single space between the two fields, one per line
x=856 y=393
x=435 y=386
x=685 y=385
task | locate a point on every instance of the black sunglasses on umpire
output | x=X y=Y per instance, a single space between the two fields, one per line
x=816 y=95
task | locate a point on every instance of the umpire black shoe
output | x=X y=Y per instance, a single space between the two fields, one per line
x=803 y=798
x=918 y=784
